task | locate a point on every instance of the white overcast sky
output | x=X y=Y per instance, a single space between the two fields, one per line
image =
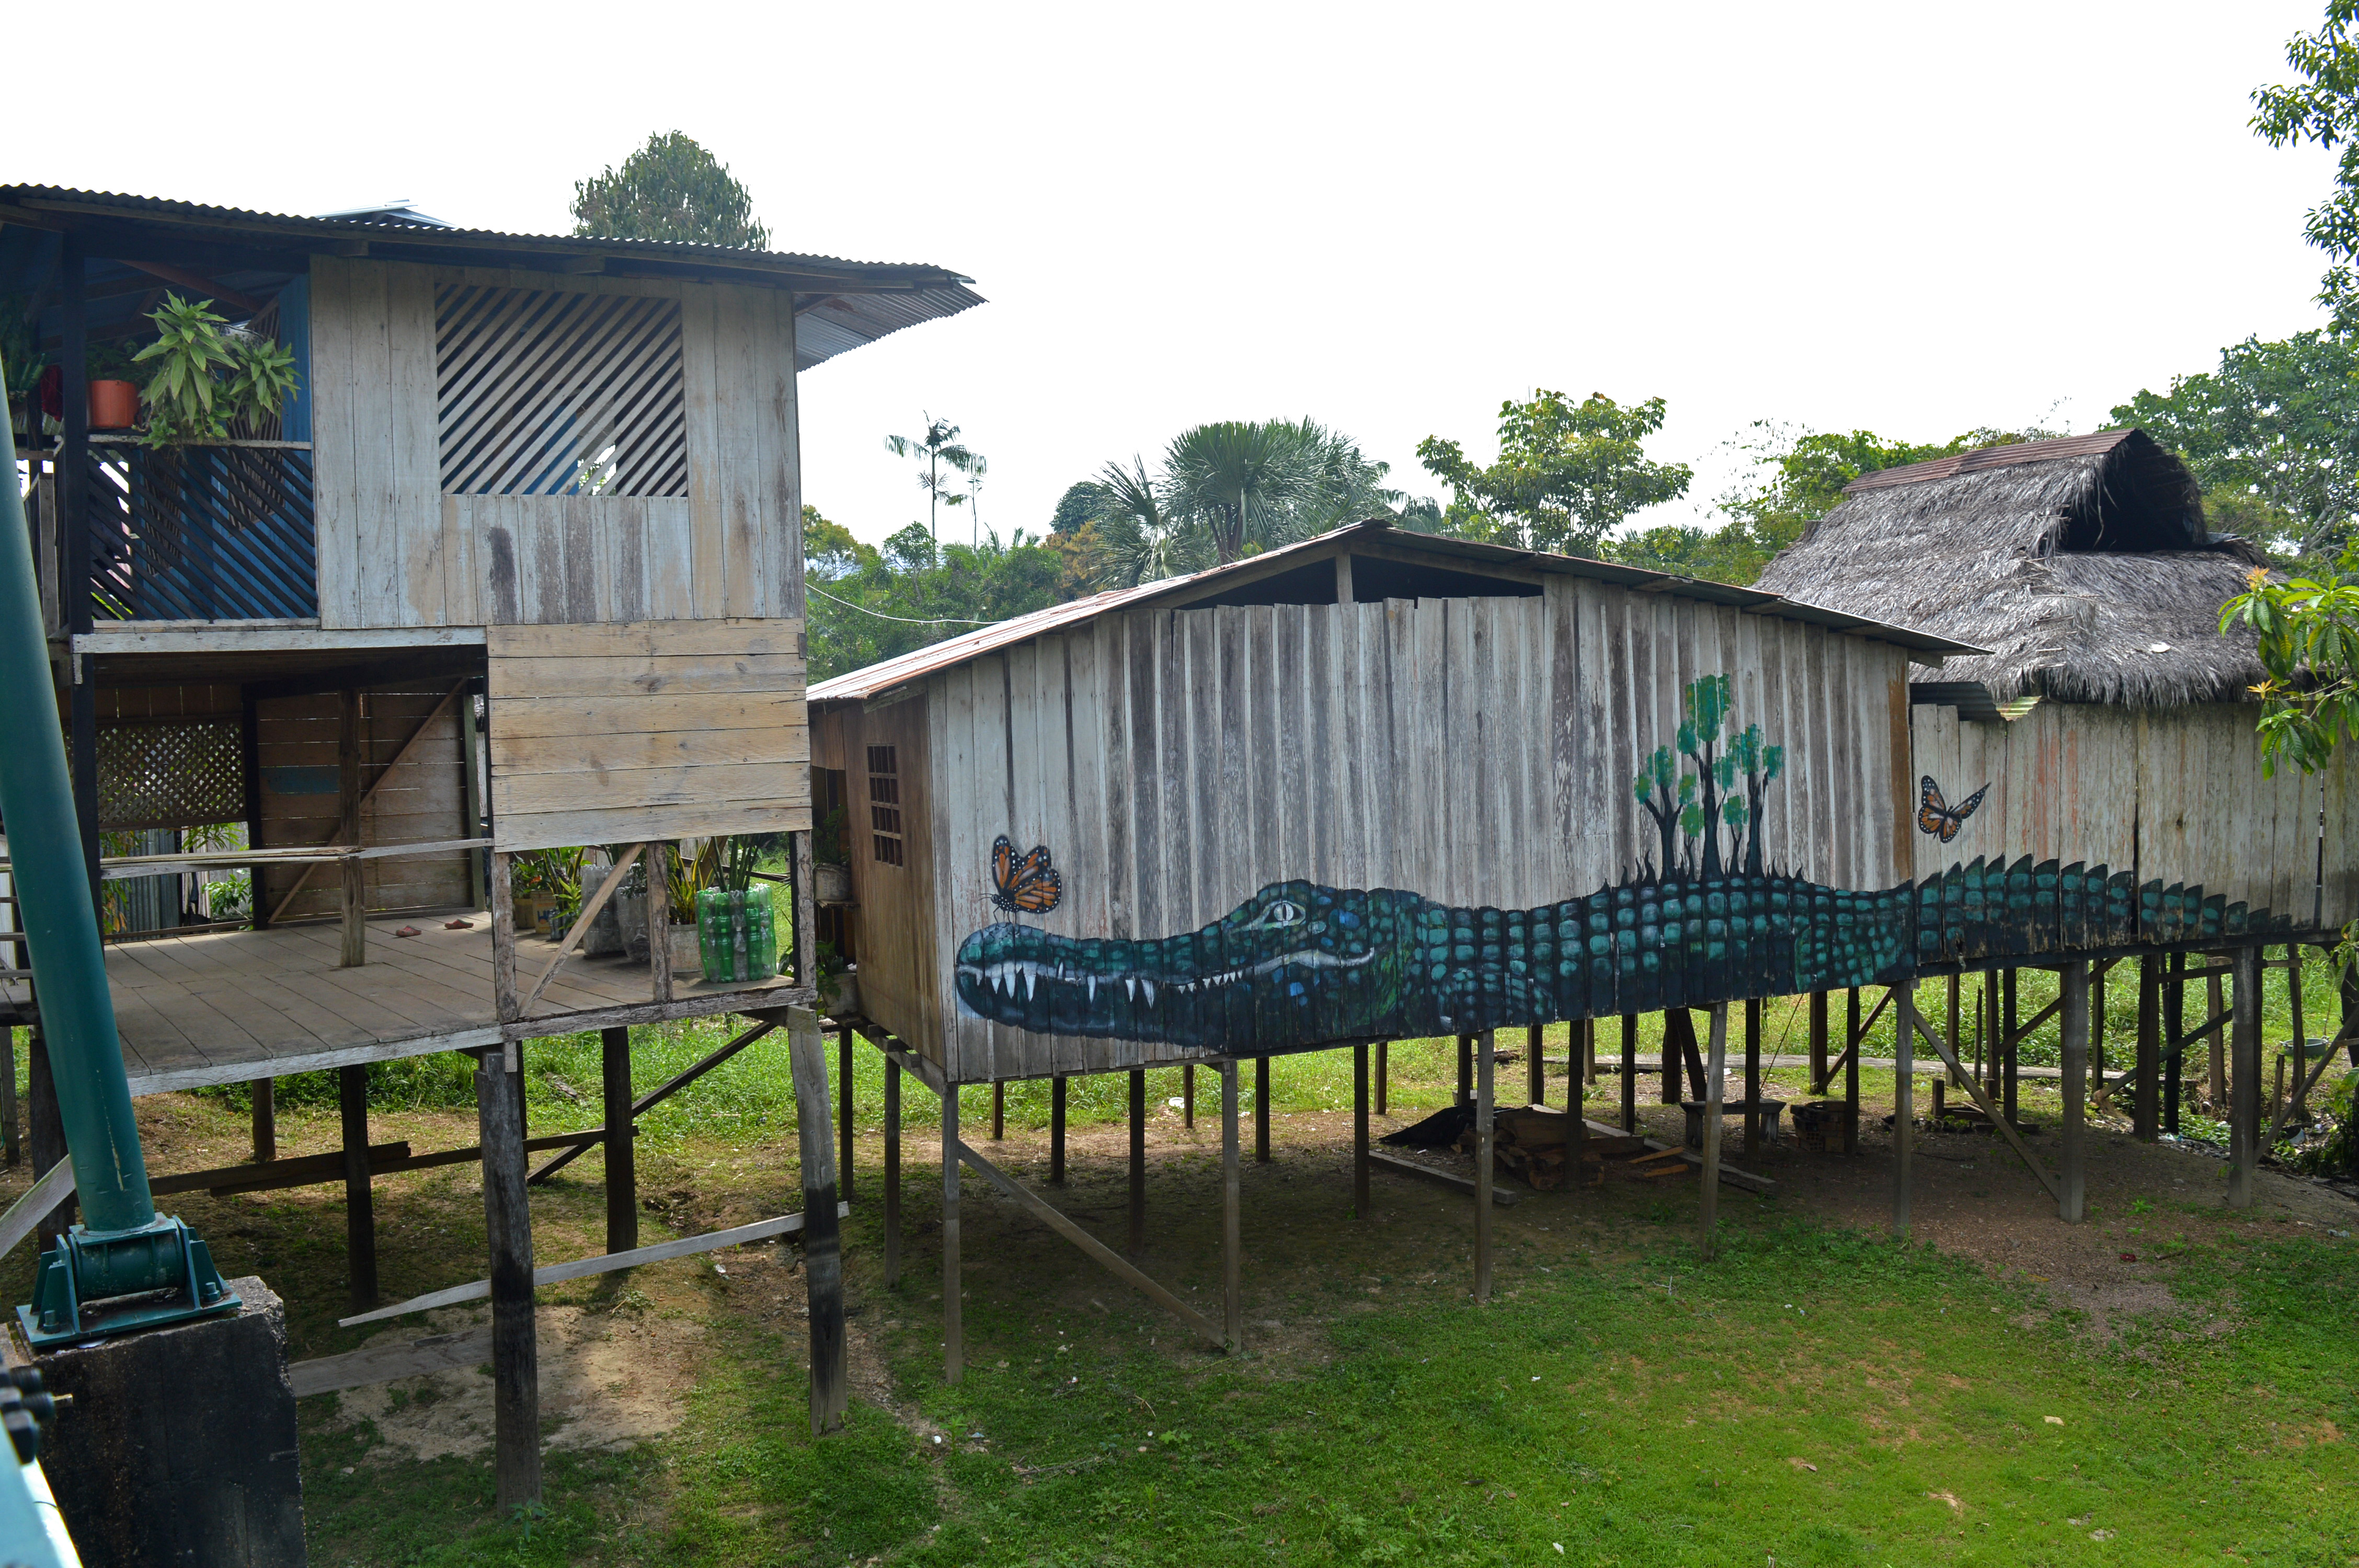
x=1912 y=219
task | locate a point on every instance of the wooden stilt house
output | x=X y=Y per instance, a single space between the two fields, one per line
x=517 y=567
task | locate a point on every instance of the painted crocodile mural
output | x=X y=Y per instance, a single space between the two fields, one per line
x=1299 y=962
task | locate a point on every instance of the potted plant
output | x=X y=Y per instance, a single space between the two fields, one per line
x=209 y=376
x=539 y=881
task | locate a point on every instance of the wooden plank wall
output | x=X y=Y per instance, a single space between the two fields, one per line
x=2174 y=793
x=393 y=551
x=1479 y=751
x=898 y=955
x=425 y=800
x=647 y=729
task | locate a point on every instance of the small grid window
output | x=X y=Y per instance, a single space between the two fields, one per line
x=885 y=806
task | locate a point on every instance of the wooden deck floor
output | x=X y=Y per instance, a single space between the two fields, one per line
x=223 y=1007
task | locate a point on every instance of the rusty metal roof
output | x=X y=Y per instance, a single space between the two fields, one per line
x=2008 y=456
x=887 y=674
x=839 y=304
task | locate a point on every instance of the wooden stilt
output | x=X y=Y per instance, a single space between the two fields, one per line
x=893 y=1169
x=2145 y=1107
x=2215 y=1046
x=845 y=1111
x=1384 y=1074
x=1261 y=1110
x=1588 y=1030
x=953 y=1330
x=1057 y=1131
x=2245 y=1110
x=1188 y=1097
x=622 y=1155
x=1680 y=1024
x=354 y=898
x=998 y=1112
x=1995 y=1016
x=1535 y=1068
x=2074 y=980
x=1138 y=1163
x=1483 y=1175
x=1358 y=1132
x=46 y=1133
x=1233 y=1292
x=360 y=1213
x=1670 y=1062
x=1903 y=1103
x=2300 y=1105
x=1629 y=1071
x=1466 y=1069
x=822 y=1238
x=507 y=1221
x=658 y=859
x=1715 y=1075
x=2009 y=1023
x=2174 y=1022
x=1818 y=1046
x=263 y=1092
x=11 y=1150
x=1854 y=1047
x=2097 y=973
x=1751 y=1076
x=353 y=903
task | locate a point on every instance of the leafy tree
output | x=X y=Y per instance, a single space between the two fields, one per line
x=669 y=190
x=1136 y=539
x=2322 y=108
x=1078 y=507
x=871 y=602
x=934 y=451
x=1567 y=474
x=2272 y=436
x=2308 y=631
x=1239 y=483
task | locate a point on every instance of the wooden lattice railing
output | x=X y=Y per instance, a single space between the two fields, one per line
x=217 y=532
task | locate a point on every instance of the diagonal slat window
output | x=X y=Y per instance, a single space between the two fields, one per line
x=547 y=393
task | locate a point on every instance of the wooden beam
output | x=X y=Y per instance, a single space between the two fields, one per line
x=2245 y=1085
x=603 y=1263
x=1098 y=1252
x=606 y=888
x=203 y=285
x=622 y=1150
x=1715 y=1071
x=1983 y=1098
x=55 y=1186
x=953 y=1324
x=507 y=1217
x=892 y=1170
x=1382 y=1160
x=1360 y=1208
x=666 y=1089
x=823 y=1242
x=1485 y=1172
x=2073 y=1202
x=360 y=1212
x=1233 y=1295
x=1138 y=1160
x=1904 y=1108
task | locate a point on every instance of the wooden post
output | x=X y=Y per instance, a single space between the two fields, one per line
x=46 y=1131
x=360 y=1214
x=1851 y=1033
x=348 y=828
x=507 y=1221
x=953 y=1331
x=1904 y=1101
x=1138 y=1161
x=263 y=1092
x=2300 y=1042
x=1992 y=1085
x=353 y=905
x=2009 y=1044
x=1261 y=1110
x=1629 y=1071
x=622 y=1140
x=2245 y=1111
x=2097 y=973
x=1482 y=1163
x=1233 y=1292
x=1715 y=1074
x=503 y=954
x=893 y=1169
x=1671 y=1062
x=1751 y=1076
x=1188 y=1097
x=658 y=859
x=1384 y=1074
x=2215 y=1054
x=2074 y=980
x=1535 y=1068
x=1819 y=1065
x=1358 y=1132
x=822 y=1236
x=1955 y=1018
x=1587 y=1027
x=844 y=1110
x=2145 y=1121
x=806 y=950
x=1466 y=1069
x=11 y=1151
x=2174 y=1026
x=1057 y=1131
x=998 y=1111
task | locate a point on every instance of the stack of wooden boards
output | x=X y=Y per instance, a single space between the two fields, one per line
x=1542 y=1145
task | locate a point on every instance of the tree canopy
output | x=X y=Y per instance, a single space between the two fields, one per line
x=870 y=602
x=669 y=190
x=1568 y=473
x=2322 y=108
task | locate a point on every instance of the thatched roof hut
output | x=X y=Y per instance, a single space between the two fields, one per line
x=2083 y=564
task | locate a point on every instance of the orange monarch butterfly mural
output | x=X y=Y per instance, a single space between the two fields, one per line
x=1028 y=885
x=1936 y=816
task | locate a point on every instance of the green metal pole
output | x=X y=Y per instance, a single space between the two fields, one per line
x=54 y=907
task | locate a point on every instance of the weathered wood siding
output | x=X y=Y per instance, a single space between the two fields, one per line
x=1477 y=751
x=899 y=961
x=423 y=801
x=647 y=729
x=394 y=551
x=2176 y=795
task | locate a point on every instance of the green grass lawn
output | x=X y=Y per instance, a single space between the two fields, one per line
x=1815 y=1395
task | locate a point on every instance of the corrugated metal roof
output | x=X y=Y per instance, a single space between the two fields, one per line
x=841 y=304
x=887 y=674
x=2008 y=456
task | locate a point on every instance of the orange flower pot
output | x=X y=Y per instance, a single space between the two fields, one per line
x=114 y=404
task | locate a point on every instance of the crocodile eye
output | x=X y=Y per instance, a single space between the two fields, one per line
x=1285 y=912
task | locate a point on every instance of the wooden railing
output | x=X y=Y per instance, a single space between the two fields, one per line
x=221 y=531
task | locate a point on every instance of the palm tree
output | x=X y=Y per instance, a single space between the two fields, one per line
x=1137 y=540
x=1240 y=482
x=937 y=450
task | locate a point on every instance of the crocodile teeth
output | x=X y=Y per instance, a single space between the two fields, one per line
x=1150 y=991
x=1093 y=989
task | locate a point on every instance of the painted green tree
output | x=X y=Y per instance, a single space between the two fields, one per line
x=1691 y=809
